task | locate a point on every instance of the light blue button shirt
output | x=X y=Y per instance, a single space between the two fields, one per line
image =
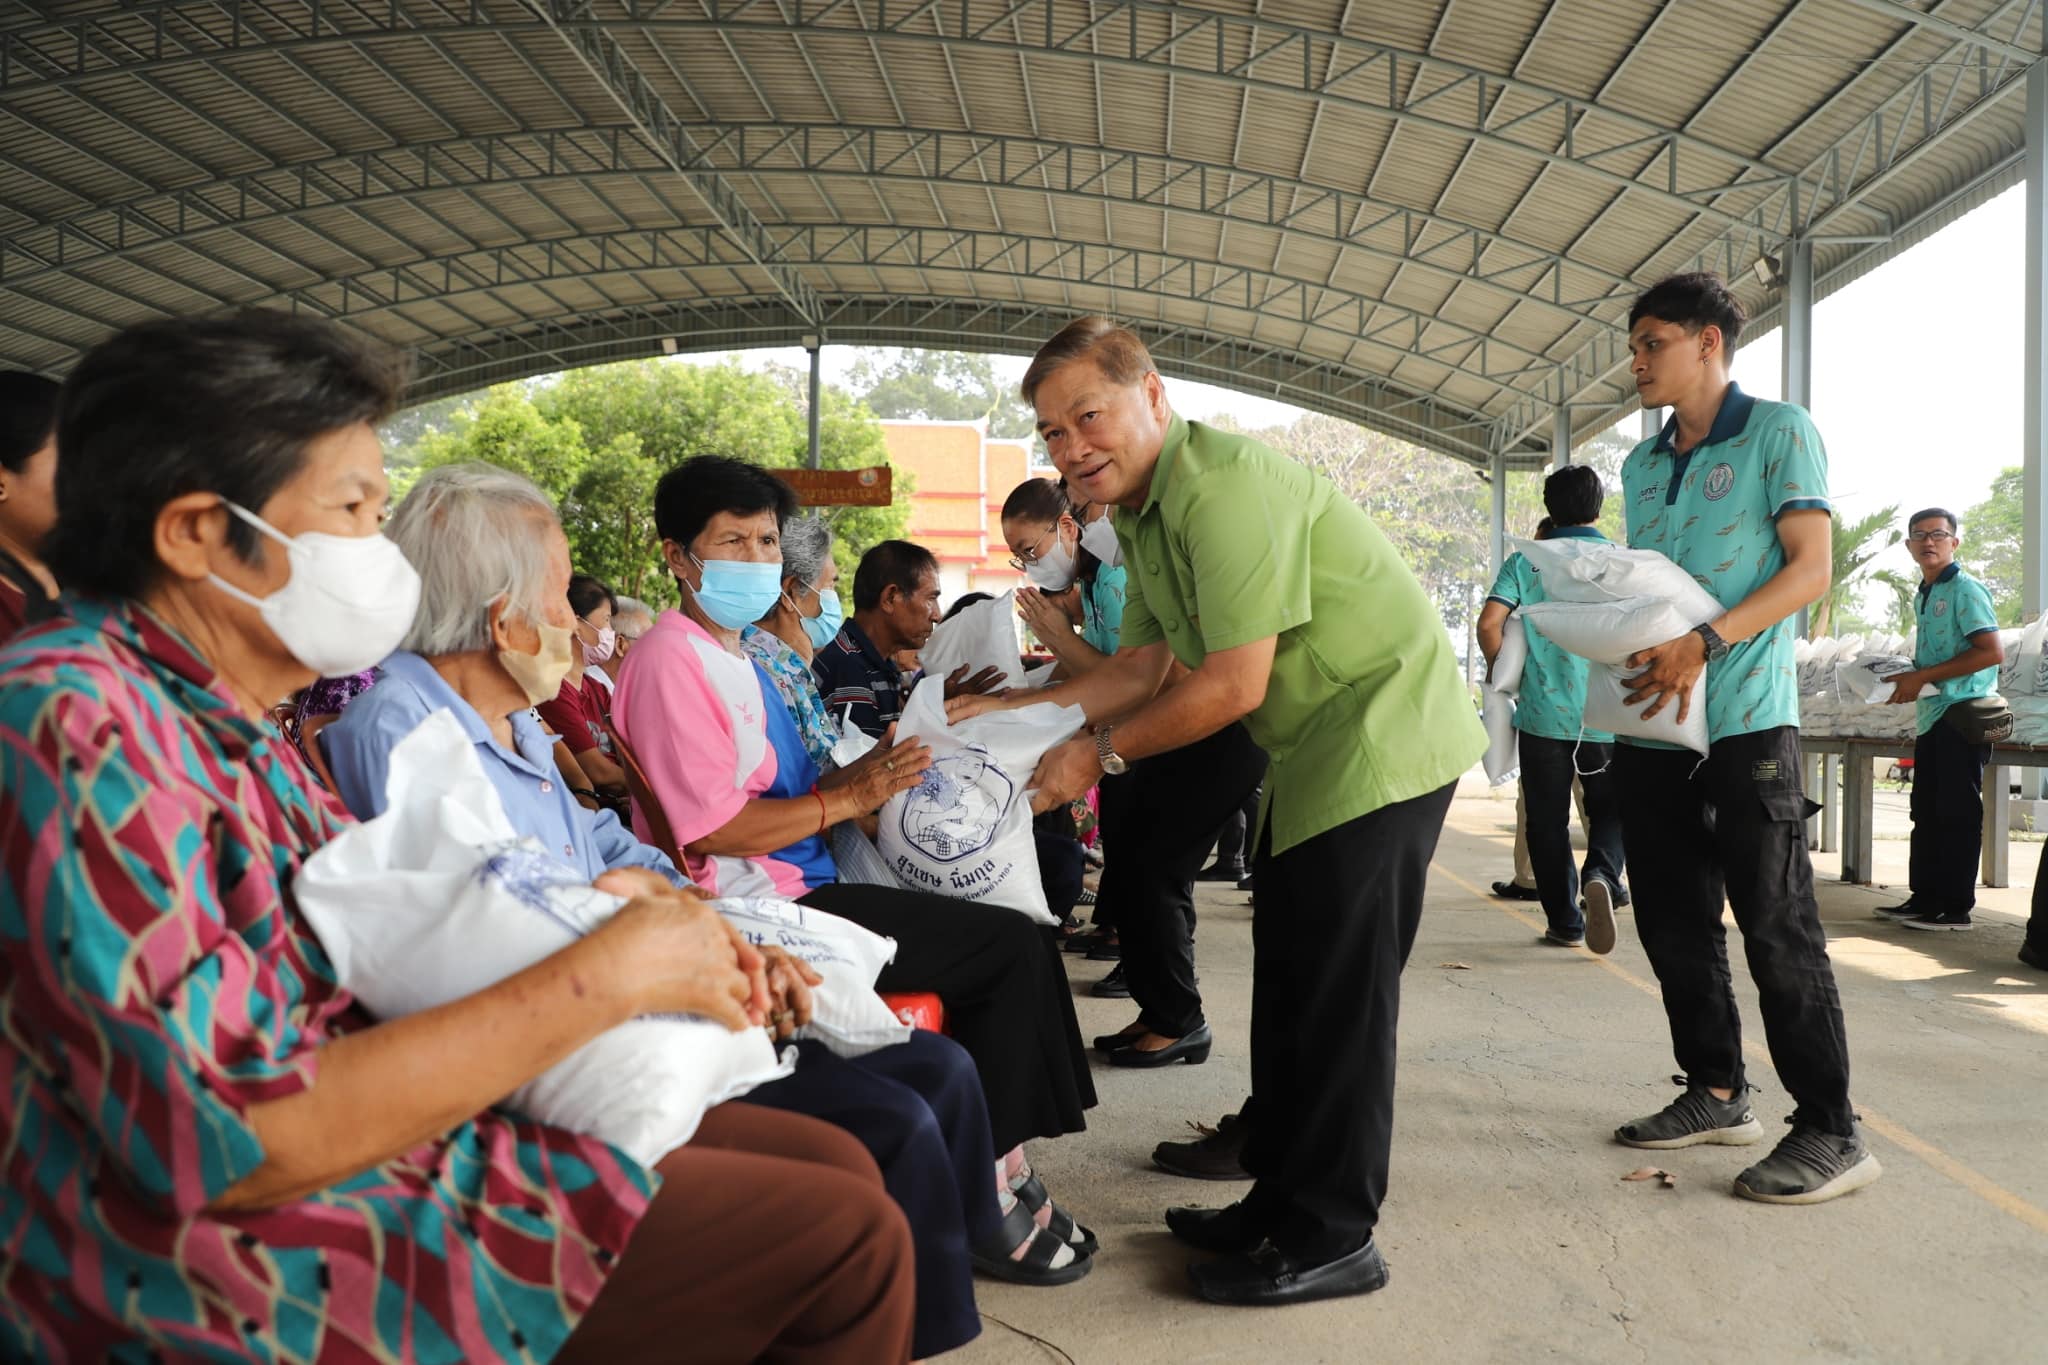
x=358 y=747
x=1714 y=512
x=1950 y=611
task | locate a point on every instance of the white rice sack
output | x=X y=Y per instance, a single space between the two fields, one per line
x=2028 y=671
x=980 y=636
x=2008 y=671
x=1869 y=679
x=1503 y=761
x=846 y=1014
x=1576 y=569
x=965 y=830
x=438 y=898
x=1505 y=673
x=1607 y=709
x=1609 y=632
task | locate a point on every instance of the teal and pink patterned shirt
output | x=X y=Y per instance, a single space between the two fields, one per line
x=155 y=983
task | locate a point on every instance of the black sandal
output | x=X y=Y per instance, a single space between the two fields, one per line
x=1032 y=1195
x=1036 y=1265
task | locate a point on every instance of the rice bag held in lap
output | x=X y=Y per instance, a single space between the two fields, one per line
x=846 y=1014
x=983 y=635
x=439 y=897
x=965 y=830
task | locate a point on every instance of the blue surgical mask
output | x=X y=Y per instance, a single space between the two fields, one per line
x=824 y=627
x=735 y=593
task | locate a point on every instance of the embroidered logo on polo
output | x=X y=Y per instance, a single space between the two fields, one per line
x=1720 y=479
x=1941 y=607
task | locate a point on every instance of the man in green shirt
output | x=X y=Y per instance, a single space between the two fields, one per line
x=1295 y=615
x=1955 y=649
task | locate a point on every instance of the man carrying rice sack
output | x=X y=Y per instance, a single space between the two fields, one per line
x=1256 y=574
x=1733 y=490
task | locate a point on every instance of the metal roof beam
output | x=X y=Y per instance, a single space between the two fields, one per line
x=1934 y=23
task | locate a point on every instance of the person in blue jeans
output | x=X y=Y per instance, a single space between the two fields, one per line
x=1556 y=747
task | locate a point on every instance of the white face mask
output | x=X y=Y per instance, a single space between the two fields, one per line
x=1054 y=570
x=347 y=604
x=1098 y=538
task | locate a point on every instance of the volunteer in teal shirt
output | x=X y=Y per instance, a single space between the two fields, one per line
x=1957 y=651
x=1734 y=490
x=1556 y=747
x=1292 y=613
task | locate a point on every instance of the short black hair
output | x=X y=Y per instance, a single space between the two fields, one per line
x=28 y=416
x=1572 y=495
x=587 y=594
x=1693 y=301
x=223 y=404
x=1923 y=515
x=701 y=487
x=894 y=564
x=964 y=601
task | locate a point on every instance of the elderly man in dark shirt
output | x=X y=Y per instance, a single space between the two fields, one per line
x=895 y=606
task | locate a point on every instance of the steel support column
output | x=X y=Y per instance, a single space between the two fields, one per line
x=816 y=348
x=1561 y=437
x=1653 y=423
x=1796 y=359
x=2034 y=433
x=1498 y=531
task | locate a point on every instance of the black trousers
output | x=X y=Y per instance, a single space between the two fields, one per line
x=2037 y=921
x=1735 y=825
x=1337 y=917
x=1547 y=772
x=1177 y=800
x=1112 y=824
x=1006 y=996
x=1948 y=819
x=1234 y=840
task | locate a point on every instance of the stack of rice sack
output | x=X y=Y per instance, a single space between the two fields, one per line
x=1841 y=692
x=2023 y=682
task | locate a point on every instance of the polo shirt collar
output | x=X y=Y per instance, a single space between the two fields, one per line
x=1944 y=576
x=1729 y=421
x=528 y=738
x=865 y=647
x=1162 y=472
x=1576 y=533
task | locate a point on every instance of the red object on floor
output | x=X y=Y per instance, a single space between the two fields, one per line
x=919 y=1009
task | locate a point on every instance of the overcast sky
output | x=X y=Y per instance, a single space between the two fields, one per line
x=1916 y=373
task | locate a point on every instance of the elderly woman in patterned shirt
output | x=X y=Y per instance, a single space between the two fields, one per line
x=208 y=1149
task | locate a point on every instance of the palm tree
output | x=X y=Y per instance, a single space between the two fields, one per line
x=1855 y=547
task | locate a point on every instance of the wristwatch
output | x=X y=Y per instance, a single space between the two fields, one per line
x=1717 y=648
x=1112 y=761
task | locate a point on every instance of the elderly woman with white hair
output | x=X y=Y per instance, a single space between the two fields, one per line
x=918 y=1107
x=805 y=618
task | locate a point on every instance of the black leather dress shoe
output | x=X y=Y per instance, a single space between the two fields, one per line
x=1225 y=1230
x=1216 y=1155
x=1266 y=1275
x=1110 y=1042
x=1508 y=891
x=1192 y=1048
x=1220 y=872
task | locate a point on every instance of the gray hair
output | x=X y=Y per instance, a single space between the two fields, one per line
x=806 y=545
x=469 y=531
x=630 y=606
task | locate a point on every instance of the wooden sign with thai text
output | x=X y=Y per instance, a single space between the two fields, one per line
x=840 y=487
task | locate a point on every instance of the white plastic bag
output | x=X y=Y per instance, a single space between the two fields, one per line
x=1607 y=708
x=1505 y=673
x=846 y=1014
x=1869 y=679
x=980 y=636
x=965 y=830
x=1503 y=760
x=1580 y=569
x=1608 y=632
x=438 y=898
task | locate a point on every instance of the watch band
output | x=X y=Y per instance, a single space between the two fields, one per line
x=1112 y=762
x=1717 y=648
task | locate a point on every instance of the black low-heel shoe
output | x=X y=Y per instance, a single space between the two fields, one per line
x=1192 y=1048
x=1265 y=1275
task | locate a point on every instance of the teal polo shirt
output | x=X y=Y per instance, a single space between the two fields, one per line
x=1552 y=703
x=1714 y=512
x=1364 y=706
x=1951 y=611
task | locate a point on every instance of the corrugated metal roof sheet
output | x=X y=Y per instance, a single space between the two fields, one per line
x=1430 y=216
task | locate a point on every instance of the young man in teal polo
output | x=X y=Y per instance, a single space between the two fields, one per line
x=1957 y=650
x=1293 y=614
x=1734 y=490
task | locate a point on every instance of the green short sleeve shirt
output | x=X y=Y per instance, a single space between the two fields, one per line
x=1950 y=611
x=1714 y=512
x=1552 y=703
x=1237 y=543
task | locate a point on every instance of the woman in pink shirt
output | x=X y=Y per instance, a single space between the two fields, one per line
x=749 y=812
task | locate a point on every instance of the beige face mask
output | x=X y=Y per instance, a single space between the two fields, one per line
x=540 y=673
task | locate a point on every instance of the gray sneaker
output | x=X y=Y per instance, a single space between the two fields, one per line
x=1810 y=1166
x=1599 y=904
x=1695 y=1117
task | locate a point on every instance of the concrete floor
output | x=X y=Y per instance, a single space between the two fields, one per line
x=1510 y=1232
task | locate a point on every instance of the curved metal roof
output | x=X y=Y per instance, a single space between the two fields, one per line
x=1428 y=217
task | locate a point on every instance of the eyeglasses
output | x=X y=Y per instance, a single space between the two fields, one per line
x=1918 y=537
x=1023 y=561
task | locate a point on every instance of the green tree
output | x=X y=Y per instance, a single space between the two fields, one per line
x=941 y=386
x=1993 y=536
x=1856 y=545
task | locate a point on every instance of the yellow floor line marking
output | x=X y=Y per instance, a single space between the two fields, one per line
x=1977 y=1183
